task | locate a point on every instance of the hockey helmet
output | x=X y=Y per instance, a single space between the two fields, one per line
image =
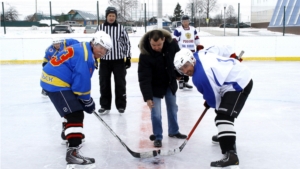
x=182 y=57
x=102 y=39
x=109 y=10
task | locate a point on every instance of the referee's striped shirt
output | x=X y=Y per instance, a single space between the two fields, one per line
x=121 y=44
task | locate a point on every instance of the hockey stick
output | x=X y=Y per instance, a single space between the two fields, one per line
x=179 y=149
x=134 y=154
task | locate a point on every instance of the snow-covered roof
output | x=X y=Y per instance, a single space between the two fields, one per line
x=48 y=22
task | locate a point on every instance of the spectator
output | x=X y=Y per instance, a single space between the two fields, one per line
x=157 y=79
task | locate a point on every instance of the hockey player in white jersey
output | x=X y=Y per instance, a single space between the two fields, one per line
x=223 y=50
x=187 y=37
x=225 y=84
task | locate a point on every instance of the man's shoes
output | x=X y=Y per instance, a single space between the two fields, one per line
x=184 y=85
x=121 y=110
x=157 y=143
x=103 y=111
x=187 y=85
x=215 y=139
x=178 y=135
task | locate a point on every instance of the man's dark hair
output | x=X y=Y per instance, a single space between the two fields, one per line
x=155 y=35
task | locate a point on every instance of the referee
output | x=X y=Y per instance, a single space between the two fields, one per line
x=113 y=62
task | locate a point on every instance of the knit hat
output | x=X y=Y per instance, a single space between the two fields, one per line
x=109 y=10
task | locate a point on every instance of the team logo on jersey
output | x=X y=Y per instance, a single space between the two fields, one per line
x=188 y=35
x=50 y=50
x=65 y=109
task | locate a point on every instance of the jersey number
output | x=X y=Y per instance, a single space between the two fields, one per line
x=65 y=55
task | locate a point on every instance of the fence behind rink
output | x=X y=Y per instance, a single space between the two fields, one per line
x=258 y=42
x=263 y=17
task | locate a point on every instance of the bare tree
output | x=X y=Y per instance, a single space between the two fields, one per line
x=202 y=6
x=125 y=8
x=230 y=15
x=28 y=18
x=218 y=19
x=11 y=14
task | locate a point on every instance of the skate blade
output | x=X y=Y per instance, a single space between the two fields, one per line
x=105 y=112
x=228 y=167
x=215 y=142
x=77 y=166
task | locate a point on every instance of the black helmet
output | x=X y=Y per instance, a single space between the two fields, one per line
x=185 y=17
x=109 y=10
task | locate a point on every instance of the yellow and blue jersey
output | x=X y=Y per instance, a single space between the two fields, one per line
x=70 y=69
x=51 y=51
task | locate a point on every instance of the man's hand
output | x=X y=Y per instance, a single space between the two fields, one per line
x=150 y=104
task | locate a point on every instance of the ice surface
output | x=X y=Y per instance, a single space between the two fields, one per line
x=267 y=128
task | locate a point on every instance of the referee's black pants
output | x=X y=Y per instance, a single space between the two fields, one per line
x=117 y=67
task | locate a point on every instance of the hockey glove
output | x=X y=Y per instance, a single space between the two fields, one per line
x=200 y=47
x=206 y=105
x=236 y=57
x=88 y=105
x=127 y=63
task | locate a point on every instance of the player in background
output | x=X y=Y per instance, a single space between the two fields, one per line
x=57 y=46
x=225 y=84
x=67 y=81
x=187 y=37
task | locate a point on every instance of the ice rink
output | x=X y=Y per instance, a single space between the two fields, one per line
x=268 y=135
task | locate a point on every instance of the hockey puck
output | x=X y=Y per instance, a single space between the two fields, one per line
x=152 y=137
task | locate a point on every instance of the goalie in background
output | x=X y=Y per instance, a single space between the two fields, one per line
x=56 y=46
x=67 y=81
x=187 y=37
x=225 y=84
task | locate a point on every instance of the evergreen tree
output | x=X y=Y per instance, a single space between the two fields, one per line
x=177 y=13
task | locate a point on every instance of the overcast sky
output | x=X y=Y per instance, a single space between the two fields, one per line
x=27 y=7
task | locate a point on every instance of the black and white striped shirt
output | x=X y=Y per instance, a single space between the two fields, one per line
x=121 y=44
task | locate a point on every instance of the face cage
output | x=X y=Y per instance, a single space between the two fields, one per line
x=98 y=44
x=184 y=66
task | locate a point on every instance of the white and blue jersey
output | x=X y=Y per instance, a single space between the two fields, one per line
x=51 y=51
x=71 y=69
x=215 y=75
x=186 y=37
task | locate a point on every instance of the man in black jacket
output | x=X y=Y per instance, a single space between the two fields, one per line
x=157 y=79
x=113 y=62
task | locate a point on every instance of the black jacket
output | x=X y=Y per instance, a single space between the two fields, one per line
x=156 y=71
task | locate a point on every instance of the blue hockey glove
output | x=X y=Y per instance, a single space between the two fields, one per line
x=88 y=105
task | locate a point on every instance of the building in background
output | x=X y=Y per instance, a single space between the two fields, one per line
x=291 y=20
x=83 y=17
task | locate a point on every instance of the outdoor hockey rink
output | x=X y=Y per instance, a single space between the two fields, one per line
x=268 y=135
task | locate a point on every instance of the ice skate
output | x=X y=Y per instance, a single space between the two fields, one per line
x=215 y=139
x=76 y=161
x=230 y=161
x=181 y=84
x=103 y=111
x=44 y=92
